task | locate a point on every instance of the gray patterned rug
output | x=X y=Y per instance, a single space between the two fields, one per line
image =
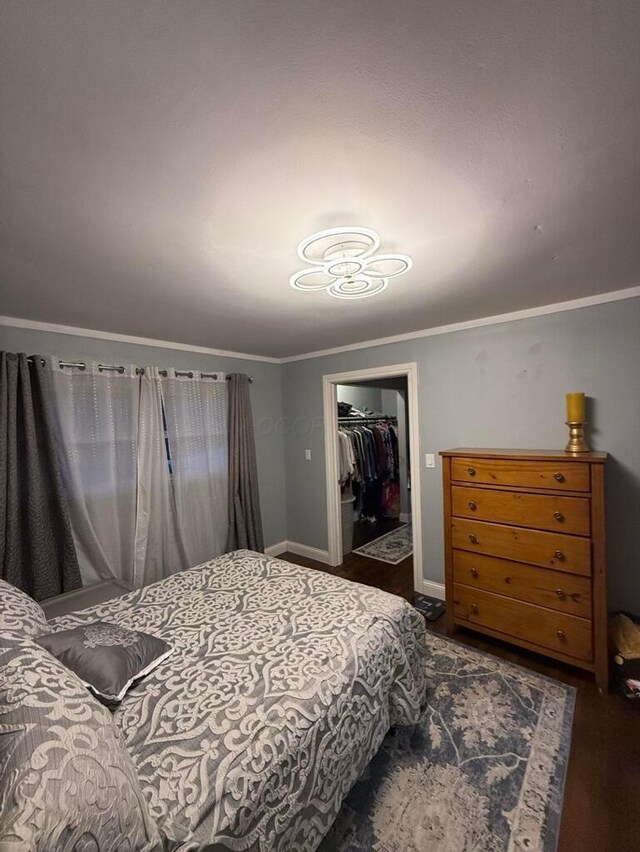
x=391 y=547
x=483 y=772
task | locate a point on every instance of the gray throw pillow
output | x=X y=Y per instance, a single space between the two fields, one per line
x=67 y=782
x=19 y=613
x=106 y=657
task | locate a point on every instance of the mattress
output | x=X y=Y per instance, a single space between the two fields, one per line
x=281 y=686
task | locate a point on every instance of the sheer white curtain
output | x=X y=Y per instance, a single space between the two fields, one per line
x=196 y=416
x=159 y=545
x=136 y=513
x=98 y=413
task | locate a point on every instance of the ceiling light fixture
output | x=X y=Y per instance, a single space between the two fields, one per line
x=344 y=263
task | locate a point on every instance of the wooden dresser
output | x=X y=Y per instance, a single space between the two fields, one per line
x=524 y=551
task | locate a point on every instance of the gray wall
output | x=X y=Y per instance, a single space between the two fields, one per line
x=501 y=385
x=360 y=396
x=266 y=398
x=497 y=386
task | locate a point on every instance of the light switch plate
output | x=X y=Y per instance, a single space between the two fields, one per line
x=307 y=455
x=429 y=460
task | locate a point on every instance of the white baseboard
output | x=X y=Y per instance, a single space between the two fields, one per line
x=276 y=549
x=405 y=517
x=308 y=552
x=299 y=550
x=434 y=590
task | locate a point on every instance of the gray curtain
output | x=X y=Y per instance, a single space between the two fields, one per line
x=37 y=553
x=245 y=522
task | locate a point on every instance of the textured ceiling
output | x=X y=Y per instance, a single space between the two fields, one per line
x=161 y=160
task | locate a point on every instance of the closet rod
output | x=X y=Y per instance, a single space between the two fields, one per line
x=356 y=419
x=80 y=365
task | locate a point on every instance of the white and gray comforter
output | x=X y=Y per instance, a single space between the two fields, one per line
x=281 y=686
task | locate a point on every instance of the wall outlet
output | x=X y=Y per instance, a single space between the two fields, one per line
x=307 y=455
x=429 y=460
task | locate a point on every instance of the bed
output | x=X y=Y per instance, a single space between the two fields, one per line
x=281 y=686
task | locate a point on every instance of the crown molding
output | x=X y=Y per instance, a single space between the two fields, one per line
x=34 y=325
x=514 y=316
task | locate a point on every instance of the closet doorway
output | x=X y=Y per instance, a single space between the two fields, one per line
x=377 y=412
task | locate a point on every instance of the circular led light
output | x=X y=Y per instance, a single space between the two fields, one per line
x=345 y=264
x=387 y=265
x=337 y=243
x=352 y=286
x=343 y=267
x=346 y=288
x=355 y=247
x=311 y=279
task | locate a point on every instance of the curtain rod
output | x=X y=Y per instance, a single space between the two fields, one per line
x=80 y=365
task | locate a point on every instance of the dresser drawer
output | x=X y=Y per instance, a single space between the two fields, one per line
x=541 y=511
x=559 y=476
x=564 y=592
x=551 y=550
x=546 y=628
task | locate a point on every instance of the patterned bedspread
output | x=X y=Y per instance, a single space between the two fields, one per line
x=282 y=685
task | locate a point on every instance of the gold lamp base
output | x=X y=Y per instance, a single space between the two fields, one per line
x=577 y=443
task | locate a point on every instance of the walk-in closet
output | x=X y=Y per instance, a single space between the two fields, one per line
x=375 y=476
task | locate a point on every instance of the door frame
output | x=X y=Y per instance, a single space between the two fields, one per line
x=330 y=410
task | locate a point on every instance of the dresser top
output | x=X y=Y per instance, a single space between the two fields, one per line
x=533 y=455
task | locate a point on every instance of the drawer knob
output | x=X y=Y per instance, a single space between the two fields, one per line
x=474 y=609
x=558 y=516
x=560 y=593
x=561 y=635
x=558 y=477
x=559 y=555
x=472 y=538
x=471 y=471
x=472 y=505
x=474 y=572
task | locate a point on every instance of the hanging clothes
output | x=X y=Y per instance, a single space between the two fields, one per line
x=347 y=458
x=369 y=463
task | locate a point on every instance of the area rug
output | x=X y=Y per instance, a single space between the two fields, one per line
x=391 y=547
x=483 y=772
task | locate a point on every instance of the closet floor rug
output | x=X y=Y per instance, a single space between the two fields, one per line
x=391 y=547
x=482 y=772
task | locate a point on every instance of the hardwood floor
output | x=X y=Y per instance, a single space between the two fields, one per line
x=365 y=531
x=601 y=809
